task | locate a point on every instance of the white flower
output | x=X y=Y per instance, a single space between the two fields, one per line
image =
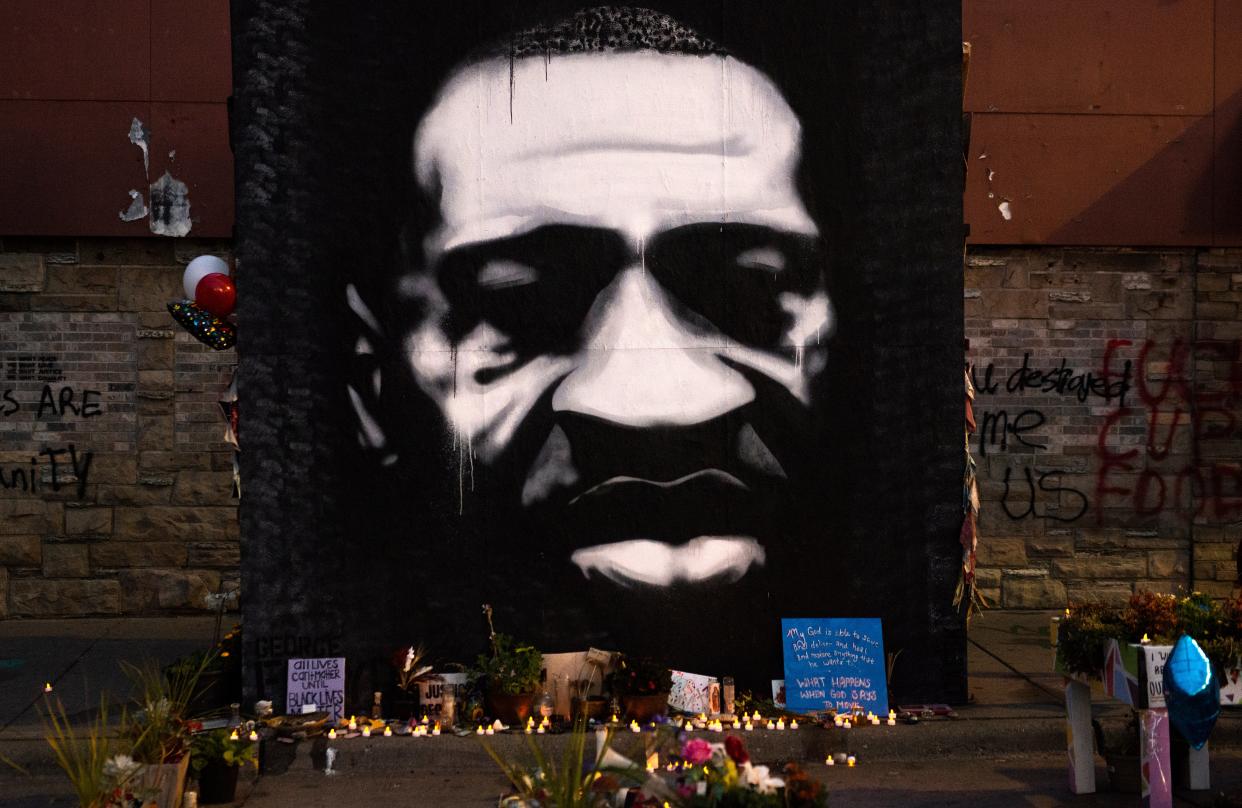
x=757 y=778
x=409 y=659
x=120 y=767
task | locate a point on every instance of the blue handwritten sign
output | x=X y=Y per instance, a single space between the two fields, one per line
x=834 y=663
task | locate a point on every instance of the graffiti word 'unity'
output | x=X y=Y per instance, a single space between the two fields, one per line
x=65 y=466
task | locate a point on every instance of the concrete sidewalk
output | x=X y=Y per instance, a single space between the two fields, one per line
x=1009 y=742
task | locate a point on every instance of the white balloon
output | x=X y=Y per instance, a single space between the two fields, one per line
x=200 y=267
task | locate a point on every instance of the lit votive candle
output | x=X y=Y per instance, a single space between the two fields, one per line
x=489 y=731
x=425 y=720
x=749 y=727
x=387 y=732
x=845 y=724
x=780 y=724
x=850 y=761
x=331 y=735
x=892 y=722
x=793 y=724
x=530 y=729
x=755 y=717
x=542 y=729
x=892 y=714
x=436 y=729
x=828 y=761
x=771 y=725
x=366 y=732
x=634 y=727
x=47 y=687
x=254 y=735
x=233 y=736
x=353 y=723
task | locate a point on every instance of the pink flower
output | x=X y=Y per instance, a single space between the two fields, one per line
x=697 y=751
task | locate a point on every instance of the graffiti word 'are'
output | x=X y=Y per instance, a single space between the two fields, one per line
x=65 y=466
x=66 y=401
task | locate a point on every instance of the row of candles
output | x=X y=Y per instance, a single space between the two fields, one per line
x=744 y=722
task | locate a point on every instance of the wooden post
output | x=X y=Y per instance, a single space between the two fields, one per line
x=1080 y=743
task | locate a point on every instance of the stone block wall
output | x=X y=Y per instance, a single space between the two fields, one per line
x=1109 y=411
x=115 y=479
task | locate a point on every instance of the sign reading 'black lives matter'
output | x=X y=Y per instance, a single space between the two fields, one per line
x=318 y=683
x=834 y=664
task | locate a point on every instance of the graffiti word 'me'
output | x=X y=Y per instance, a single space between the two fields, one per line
x=65 y=466
x=55 y=405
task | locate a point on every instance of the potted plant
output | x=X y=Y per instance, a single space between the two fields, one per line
x=642 y=685
x=160 y=729
x=216 y=758
x=510 y=675
x=94 y=756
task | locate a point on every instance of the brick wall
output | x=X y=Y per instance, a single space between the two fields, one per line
x=114 y=475
x=1086 y=494
x=1109 y=407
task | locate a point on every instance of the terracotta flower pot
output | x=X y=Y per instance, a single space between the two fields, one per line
x=645 y=708
x=510 y=708
x=217 y=783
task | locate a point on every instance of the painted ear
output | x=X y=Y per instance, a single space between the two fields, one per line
x=366 y=379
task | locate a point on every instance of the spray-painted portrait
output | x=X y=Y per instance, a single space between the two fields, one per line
x=632 y=328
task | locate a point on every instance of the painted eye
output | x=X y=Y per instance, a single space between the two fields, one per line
x=767 y=259
x=503 y=273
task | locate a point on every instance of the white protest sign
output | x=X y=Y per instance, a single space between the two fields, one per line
x=318 y=682
x=1154 y=657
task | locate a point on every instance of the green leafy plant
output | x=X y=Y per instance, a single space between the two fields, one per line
x=568 y=782
x=511 y=668
x=160 y=729
x=218 y=746
x=94 y=757
x=640 y=676
x=1086 y=629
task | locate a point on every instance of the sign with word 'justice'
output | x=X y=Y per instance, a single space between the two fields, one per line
x=834 y=663
x=318 y=682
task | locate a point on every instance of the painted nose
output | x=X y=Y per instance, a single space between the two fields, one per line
x=642 y=365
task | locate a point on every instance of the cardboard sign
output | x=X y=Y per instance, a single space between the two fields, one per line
x=691 y=692
x=318 y=682
x=1154 y=657
x=834 y=663
x=431 y=692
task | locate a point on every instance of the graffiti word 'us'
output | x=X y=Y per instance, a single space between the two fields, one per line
x=65 y=466
x=1027 y=508
x=65 y=401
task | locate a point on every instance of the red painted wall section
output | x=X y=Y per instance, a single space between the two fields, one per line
x=73 y=77
x=1099 y=123
x=1093 y=123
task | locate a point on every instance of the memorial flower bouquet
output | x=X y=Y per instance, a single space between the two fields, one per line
x=722 y=775
x=1085 y=630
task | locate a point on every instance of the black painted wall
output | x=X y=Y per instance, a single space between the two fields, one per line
x=342 y=556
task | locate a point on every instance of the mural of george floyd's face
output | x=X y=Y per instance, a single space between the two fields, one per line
x=621 y=312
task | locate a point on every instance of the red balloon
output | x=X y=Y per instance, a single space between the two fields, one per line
x=216 y=294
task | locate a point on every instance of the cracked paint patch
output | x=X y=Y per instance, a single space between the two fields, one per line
x=140 y=136
x=170 y=207
x=137 y=207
